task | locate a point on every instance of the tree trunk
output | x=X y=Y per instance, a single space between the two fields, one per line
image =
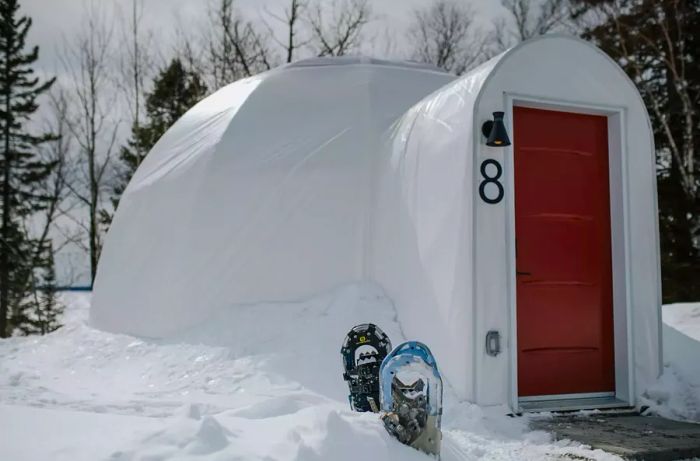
x=6 y=206
x=94 y=198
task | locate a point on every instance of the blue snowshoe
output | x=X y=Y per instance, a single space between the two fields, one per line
x=411 y=397
x=363 y=350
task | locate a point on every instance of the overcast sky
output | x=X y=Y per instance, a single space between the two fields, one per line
x=54 y=20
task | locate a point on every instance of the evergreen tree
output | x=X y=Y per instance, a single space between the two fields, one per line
x=39 y=313
x=48 y=310
x=175 y=90
x=657 y=44
x=21 y=169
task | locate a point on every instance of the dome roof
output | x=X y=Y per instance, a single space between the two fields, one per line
x=260 y=191
x=360 y=60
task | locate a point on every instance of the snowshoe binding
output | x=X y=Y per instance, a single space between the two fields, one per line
x=411 y=397
x=363 y=350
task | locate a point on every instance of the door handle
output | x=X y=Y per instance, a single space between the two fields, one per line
x=522 y=273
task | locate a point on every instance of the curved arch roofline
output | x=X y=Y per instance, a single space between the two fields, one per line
x=500 y=59
x=362 y=60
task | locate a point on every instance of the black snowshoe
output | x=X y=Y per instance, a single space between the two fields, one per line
x=363 y=350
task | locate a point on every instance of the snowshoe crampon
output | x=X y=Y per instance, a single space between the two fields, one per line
x=411 y=397
x=363 y=351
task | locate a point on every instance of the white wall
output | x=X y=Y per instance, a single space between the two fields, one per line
x=423 y=233
x=446 y=257
x=259 y=193
x=571 y=75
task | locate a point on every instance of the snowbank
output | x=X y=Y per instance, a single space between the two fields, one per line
x=684 y=317
x=676 y=395
x=83 y=394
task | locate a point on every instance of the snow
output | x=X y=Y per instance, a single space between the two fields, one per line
x=249 y=393
x=676 y=395
x=41 y=433
x=684 y=317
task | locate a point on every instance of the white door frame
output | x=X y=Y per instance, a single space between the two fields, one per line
x=620 y=238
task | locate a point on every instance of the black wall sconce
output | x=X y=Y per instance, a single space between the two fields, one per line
x=495 y=131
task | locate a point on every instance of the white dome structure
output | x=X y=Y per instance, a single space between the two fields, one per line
x=258 y=193
x=531 y=268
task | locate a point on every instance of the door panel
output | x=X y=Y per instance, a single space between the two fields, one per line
x=563 y=253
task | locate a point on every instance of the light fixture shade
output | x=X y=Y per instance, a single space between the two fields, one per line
x=495 y=131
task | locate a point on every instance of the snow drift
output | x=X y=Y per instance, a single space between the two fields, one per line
x=676 y=395
x=81 y=394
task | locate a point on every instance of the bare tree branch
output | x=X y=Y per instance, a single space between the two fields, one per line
x=87 y=59
x=136 y=62
x=57 y=152
x=671 y=52
x=532 y=19
x=291 y=20
x=445 y=35
x=236 y=49
x=338 y=32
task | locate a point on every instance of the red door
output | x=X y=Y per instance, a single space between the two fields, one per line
x=563 y=253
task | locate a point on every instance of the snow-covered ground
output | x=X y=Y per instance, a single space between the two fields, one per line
x=677 y=393
x=250 y=393
x=683 y=317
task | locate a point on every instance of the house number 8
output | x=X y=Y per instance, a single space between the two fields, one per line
x=491 y=179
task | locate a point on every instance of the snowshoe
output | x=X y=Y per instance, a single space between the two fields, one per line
x=363 y=350
x=411 y=397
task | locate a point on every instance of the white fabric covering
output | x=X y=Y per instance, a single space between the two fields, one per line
x=291 y=183
x=260 y=192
